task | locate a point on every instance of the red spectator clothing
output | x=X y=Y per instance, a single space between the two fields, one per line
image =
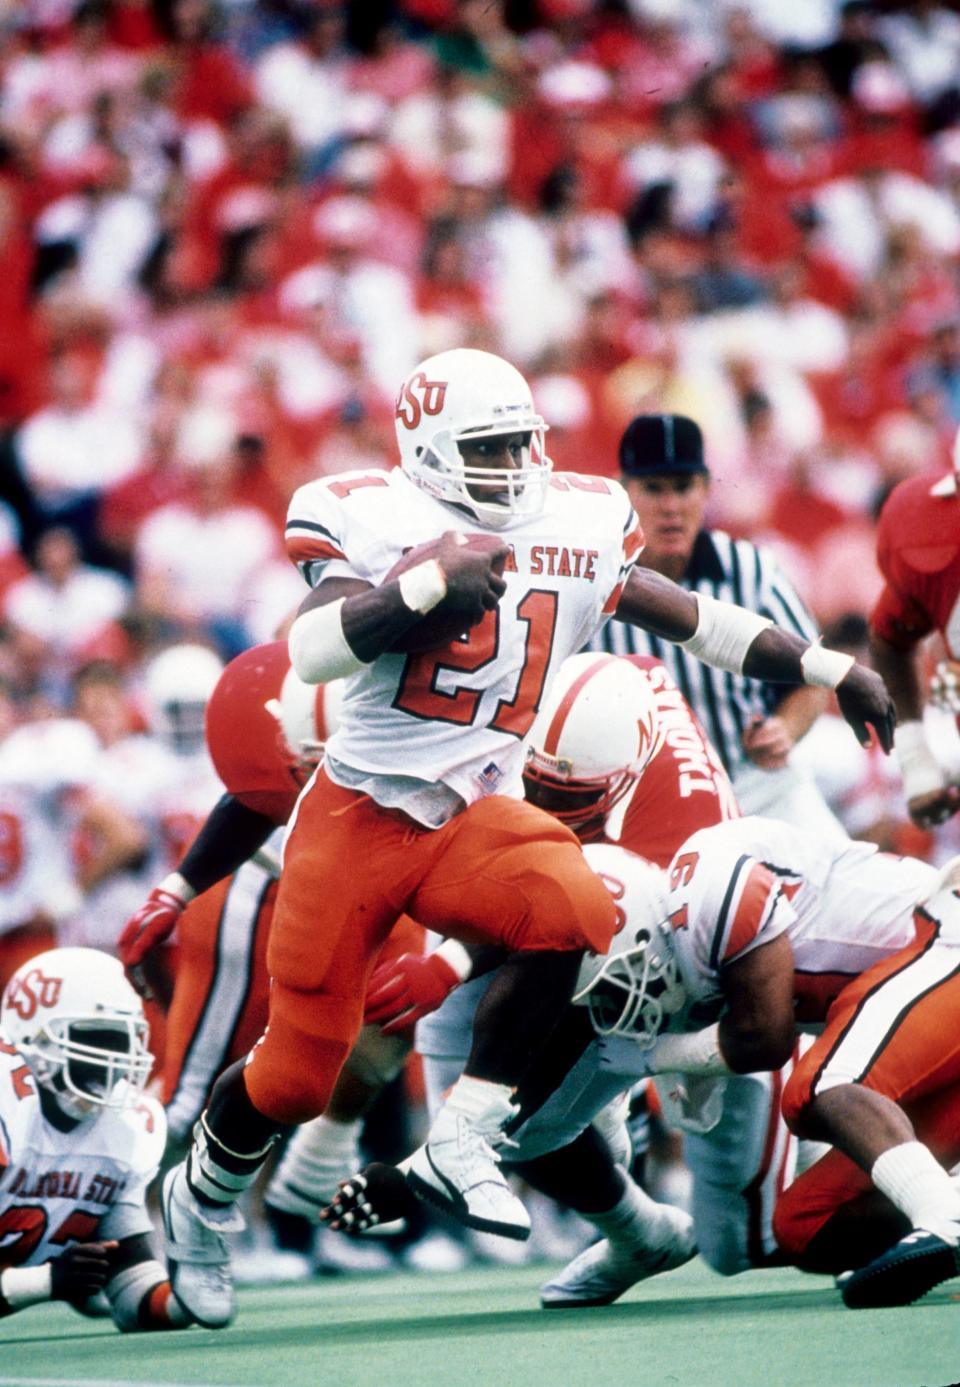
x=918 y=550
x=126 y=506
x=132 y=24
x=210 y=84
x=856 y=397
x=803 y=516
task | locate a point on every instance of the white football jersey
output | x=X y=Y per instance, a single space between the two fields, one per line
x=459 y=714
x=740 y=884
x=85 y=1185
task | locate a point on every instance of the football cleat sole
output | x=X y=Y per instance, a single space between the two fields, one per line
x=450 y=1201
x=904 y=1274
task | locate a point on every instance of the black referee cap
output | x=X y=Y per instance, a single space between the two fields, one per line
x=658 y=443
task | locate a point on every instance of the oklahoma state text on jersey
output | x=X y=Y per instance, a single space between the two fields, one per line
x=845 y=906
x=78 y=1186
x=459 y=714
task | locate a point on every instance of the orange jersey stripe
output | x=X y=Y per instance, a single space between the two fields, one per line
x=303 y=549
x=633 y=542
x=760 y=889
x=613 y=600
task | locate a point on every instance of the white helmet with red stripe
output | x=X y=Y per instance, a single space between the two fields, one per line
x=635 y=988
x=308 y=714
x=466 y=395
x=592 y=739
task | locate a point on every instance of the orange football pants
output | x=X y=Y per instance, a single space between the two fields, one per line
x=501 y=872
x=219 y=1007
x=810 y=1202
x=894 y=1030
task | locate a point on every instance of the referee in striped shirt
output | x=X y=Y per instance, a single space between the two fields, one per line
x=752 y=725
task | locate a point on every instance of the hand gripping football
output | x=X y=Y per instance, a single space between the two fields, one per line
x=443 y=624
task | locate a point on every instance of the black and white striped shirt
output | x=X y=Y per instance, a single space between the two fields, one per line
x=732 y=571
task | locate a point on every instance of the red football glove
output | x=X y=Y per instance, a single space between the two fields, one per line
x=404 y=989
x=154 y=922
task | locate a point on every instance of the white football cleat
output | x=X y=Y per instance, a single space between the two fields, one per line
x=602 y=1273
x=458 y=1171
x=197 y=1253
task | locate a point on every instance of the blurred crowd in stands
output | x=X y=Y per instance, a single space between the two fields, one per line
x=228 y=230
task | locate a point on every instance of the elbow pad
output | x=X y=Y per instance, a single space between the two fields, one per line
x=724 y=633
x=318 y=648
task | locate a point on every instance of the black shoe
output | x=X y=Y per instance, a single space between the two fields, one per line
x=910 y=1269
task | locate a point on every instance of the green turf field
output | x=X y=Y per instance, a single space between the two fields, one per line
x=483 y=1328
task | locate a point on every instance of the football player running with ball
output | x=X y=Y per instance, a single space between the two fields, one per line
x=417 y=806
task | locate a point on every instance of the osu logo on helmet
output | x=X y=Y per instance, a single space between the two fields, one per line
x=410 y=408
x=33 y=990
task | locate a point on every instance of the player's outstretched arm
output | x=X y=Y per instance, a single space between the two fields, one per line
x=81 y=1271
x=345 y=623
x=732 y=638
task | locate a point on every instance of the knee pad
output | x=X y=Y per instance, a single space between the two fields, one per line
x=291 y=1074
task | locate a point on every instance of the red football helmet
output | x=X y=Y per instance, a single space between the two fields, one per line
x=266 y=729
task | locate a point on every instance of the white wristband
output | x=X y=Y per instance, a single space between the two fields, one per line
x=178 y=886
x=724 y=633
x=453 y=952
x=23 y=1286
x=825 y=668
x=318 y=648
x=922 y=773
x=696 y=1053
x=423 y=587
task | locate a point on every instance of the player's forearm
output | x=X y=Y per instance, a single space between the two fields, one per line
x=231 y=835
x=724 y=635
x=343 y=626
x=898 y=670
x=21 y=1287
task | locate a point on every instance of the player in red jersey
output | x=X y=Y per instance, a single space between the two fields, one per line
x=918 y=551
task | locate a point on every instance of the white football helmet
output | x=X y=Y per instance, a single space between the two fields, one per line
x=592 y=739
x=635 y=987
x=308 y=715
x=178 y=684
x=466 y=394
x=80 y=1027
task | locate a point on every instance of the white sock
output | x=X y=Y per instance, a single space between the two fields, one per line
x=634 y=1218
x=319 y=1155
x=917 y=1184
x=475 y=1098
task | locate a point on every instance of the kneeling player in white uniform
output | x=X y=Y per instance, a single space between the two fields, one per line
x=79 y=1143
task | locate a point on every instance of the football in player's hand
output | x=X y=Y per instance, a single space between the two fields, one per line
x=447 y=621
